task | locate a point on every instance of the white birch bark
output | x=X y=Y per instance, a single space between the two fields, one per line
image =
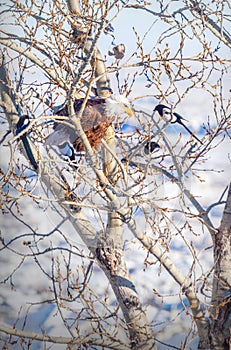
x=221 y=295
x=109 y=251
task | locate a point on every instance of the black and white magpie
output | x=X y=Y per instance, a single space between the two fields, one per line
x=173 y=117
x=150 y=147
x=22 y=124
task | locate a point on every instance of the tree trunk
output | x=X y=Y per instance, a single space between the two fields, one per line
x=109 y=251
x=221 y=295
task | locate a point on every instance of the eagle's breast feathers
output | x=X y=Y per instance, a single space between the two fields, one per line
x=97 y=116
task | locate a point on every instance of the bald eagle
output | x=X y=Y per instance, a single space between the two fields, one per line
x=98 y=115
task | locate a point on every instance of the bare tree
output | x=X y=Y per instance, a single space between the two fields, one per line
x=132 y=200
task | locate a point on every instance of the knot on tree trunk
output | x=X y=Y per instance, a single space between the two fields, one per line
x=132 y=302
x=107 y=254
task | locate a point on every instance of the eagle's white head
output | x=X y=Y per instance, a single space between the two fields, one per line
x=117 y=105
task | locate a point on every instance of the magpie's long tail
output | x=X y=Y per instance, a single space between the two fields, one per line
x=29 y=152
x=189 y=131
x=22 y=124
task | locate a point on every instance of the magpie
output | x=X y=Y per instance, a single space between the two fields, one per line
x=174 y=118
x=22 y=124
x=67 y=150
x=150 y=147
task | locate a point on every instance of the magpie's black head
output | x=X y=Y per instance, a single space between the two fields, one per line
x=165 y=111
x=160 y=109
x=150 y=147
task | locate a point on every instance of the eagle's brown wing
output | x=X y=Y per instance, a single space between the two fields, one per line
x=94 y=136
x=94 y=121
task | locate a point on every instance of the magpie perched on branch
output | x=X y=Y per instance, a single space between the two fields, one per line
x=22 y=124
x=174 y=118
x=150 y=147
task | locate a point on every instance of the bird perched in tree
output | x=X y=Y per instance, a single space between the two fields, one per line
x=150 y=147
x=173 y=117
x=98 y=115
x=22 y=124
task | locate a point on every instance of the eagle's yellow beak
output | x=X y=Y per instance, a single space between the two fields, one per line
x=128 y=110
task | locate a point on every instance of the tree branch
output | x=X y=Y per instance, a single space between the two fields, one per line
x=209 y=23
x=33 y=58
x=110 y=344
x=185 y=283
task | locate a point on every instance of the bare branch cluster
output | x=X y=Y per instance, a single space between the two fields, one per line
x=73 y=222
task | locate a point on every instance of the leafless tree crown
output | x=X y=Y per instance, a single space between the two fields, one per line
x=120 y=248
